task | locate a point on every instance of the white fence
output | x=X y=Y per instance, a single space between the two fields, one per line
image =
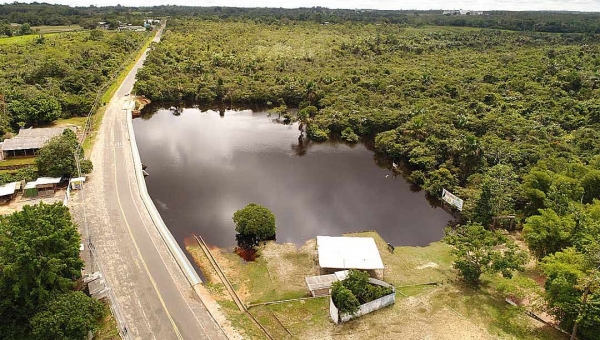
x=367 y=308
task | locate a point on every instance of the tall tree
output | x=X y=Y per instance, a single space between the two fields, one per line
x=548 y=232
x=57 y=157
x=39 y=256
x=572 y=287
x=477 y=251
x=255 y=223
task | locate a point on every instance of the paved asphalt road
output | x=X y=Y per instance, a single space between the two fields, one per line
x=154 y=299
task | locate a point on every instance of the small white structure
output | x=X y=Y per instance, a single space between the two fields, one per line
x=337 y=253
x=77 y=183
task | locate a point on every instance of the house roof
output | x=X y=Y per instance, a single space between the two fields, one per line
x=348 y=253
x=8 y=188
x=31 y=138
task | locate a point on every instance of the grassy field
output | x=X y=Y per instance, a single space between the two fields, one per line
x=47 y=31
x=56 y=29
x=22 y=39
x=18 y=161
x=449 y=310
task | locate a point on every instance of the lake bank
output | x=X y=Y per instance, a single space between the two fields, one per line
x=449 y=310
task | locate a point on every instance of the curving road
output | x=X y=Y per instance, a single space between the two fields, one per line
x=153 y=297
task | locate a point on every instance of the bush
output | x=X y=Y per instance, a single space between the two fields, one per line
x=343 y=299
x=316 y=133
x=356 y=286
x=349 y=136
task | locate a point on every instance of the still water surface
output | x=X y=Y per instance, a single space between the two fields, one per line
x=203 y=167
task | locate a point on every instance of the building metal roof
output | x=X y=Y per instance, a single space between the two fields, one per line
x=8 y=188
x=42 y=181
x=47 y=180
x=31 y=138
x=348 y=253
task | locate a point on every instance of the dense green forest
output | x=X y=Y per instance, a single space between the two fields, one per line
x=557 y=22
x=59 y=75
x=509 y=121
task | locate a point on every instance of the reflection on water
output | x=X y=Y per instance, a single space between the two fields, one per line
x=206 y=165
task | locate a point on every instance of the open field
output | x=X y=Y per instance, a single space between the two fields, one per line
x=22 y=39
x=449 y=310
x=56 y=29
x=17 y=162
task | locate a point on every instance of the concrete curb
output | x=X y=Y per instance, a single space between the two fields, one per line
x=166 y=235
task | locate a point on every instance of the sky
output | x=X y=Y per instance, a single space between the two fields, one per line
x=512 y=5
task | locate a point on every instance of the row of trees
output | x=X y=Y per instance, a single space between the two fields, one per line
x=40 y=270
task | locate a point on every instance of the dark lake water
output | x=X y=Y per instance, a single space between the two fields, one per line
x=203 y=167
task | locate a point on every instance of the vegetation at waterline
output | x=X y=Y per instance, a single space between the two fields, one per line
x=39 y=272
x=253 y=224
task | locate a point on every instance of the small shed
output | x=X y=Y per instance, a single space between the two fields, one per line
x=43 y=185
x=76 y=183
x=340 y=253
x=321 y=285
x=8 y=191
x=47 y=185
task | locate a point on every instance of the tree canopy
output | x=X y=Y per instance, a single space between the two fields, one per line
x=255 y=222
x=479 y=251
x=57 y=157
x=39 y=257
x=67 y=317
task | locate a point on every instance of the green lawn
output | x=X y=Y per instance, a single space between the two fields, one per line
x=56 y=29
x=18 y=161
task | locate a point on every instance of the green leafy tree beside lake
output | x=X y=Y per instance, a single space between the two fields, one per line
x=255 y=223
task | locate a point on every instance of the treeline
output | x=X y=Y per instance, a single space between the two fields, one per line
x=40 y=14
x=508 y=121
x=59 y=76
x=555 y=22
x=41 y=294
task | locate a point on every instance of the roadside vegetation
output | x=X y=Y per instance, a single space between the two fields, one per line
x=40 y=272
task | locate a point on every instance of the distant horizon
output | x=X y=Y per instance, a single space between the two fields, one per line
x=584 y=6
